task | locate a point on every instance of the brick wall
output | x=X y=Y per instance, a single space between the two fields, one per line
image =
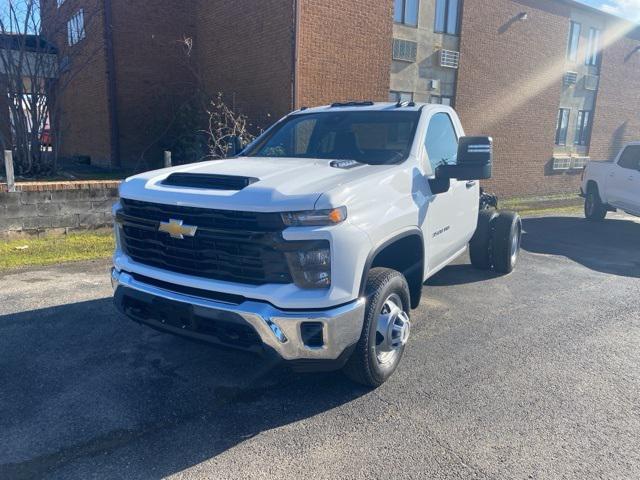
x=617 y=115
x=245 y=50
x=153 y=78
x=84 y=118
x=344 y=51
x=509 y=87
x=38 y=208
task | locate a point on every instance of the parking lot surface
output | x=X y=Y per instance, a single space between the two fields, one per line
x=531 y=375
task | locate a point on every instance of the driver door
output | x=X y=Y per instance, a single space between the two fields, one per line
x=451 y=216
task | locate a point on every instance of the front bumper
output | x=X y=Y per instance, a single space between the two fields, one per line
x=219 y=322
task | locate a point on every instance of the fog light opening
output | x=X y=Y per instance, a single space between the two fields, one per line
x=312 y=334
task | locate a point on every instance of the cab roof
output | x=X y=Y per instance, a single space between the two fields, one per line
x=366 y=107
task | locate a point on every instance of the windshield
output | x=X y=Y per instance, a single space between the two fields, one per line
x=371 y=137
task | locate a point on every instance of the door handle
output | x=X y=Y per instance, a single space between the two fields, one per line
x=612 y=174
x=471 y=184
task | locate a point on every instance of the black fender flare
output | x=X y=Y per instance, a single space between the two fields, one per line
x=416 y=293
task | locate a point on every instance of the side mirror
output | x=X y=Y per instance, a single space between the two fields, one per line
x=475 y=160
x=235 y=146
x=439 y=184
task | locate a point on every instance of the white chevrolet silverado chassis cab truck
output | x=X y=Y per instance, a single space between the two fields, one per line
x=314 y=241
x=608 y=186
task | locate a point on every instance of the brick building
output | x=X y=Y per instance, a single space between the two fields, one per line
x=553 y=81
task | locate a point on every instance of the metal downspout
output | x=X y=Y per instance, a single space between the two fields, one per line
x=112 y=99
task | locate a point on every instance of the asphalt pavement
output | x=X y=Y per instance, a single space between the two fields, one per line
x=534 y=375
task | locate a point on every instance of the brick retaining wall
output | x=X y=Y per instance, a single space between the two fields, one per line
x=56 y=207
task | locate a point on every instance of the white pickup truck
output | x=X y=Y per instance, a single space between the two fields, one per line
x=607 y=186
x=314 y=241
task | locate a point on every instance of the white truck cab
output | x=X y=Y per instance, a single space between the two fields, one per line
x=613 y=185
x=313 y=243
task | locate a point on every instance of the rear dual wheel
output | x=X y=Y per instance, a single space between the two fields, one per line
x=505 y=241
x=480 y=245
x=496 y=242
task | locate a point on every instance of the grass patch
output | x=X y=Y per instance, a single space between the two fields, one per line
x=55 y=249
x=559 y=197
x=546 y=212
x=564 y=204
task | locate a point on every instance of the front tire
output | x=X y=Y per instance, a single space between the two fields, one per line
x=594 y=209
x=385 y=330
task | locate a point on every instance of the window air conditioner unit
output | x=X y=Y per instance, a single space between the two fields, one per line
x=561 y=163
x=570 y=78
x=578 y=163
x=591 y=82
x=449 y=58
x=405 y=50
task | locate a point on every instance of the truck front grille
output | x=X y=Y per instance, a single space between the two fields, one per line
x=231 y=246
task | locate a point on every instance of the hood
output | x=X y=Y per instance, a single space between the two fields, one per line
x=277 y=184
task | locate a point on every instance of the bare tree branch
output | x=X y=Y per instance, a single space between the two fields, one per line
x=224 y=125
x=33 y=38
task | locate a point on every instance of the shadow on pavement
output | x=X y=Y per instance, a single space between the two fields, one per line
x=80 y=382
x=611 y=246
x=459 y=275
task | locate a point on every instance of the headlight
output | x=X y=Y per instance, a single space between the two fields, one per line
x=315 y=218
x=310 y=266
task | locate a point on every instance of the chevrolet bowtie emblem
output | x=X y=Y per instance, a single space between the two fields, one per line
x=177 y=229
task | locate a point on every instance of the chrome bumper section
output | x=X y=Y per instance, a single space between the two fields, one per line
x=278 y=329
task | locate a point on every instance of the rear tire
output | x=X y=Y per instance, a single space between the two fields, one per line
x=594 y=209
x=385 y=330
x=505 y=242
x=480 y=244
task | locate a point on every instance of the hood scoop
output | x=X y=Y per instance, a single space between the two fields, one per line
x=208 y=181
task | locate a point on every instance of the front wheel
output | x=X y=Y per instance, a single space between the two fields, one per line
x=385 y=330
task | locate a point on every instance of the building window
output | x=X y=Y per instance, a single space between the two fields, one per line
x=75 y=28
x=441 y=100
x=562 y=126
x=404 y=50
x=447 y=16
x=396 y=96
x=593 y=48
x=574 y=41
x=583 y=128
x=406 y=12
